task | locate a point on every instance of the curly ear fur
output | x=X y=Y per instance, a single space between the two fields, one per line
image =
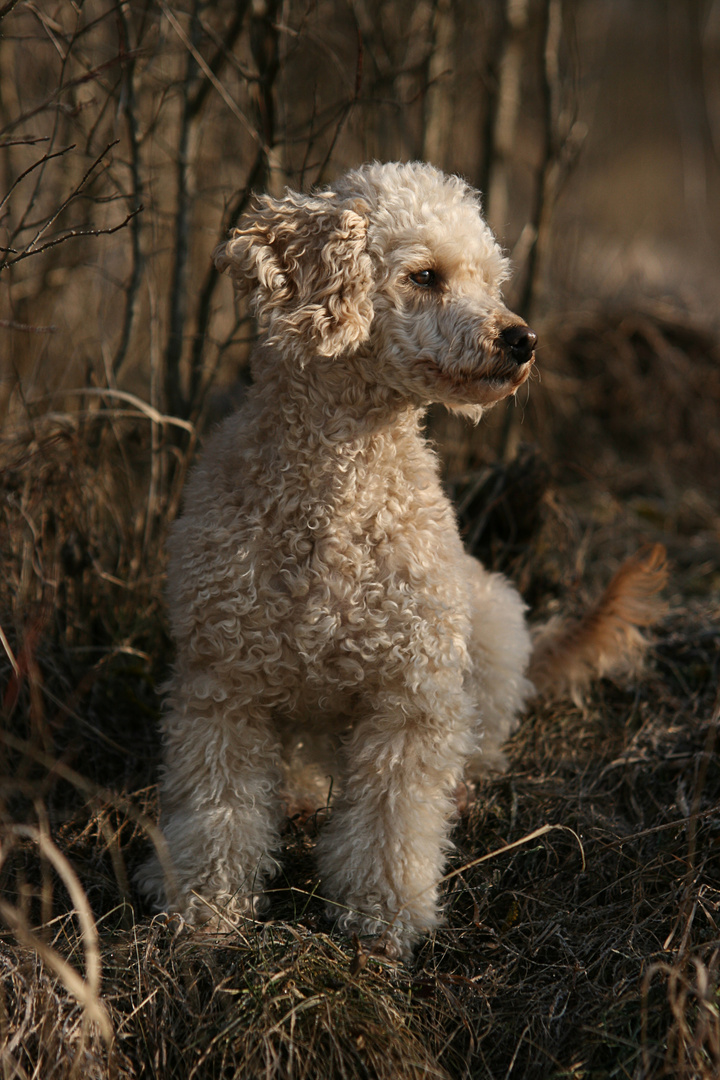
x=304 y=256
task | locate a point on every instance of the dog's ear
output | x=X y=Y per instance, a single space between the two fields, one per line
x=304 y=259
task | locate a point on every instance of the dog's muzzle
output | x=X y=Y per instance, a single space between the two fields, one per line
x=519 y=342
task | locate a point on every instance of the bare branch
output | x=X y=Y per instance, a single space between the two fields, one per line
x=75 y=233
x=563 y=139
x=28 y=140
x=8 y=7
x=41 y=161
x=221 y=56
x=10 y=324
x=132 y=399
x=209 y=73
x=128 y=104
x=89 y=76
x=199 y=379
x=346 y=111
x=73 y=194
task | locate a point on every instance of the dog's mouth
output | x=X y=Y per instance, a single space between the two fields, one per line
x=508 y=375
x=485 y=384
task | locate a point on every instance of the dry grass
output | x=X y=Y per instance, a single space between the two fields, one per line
x=558 y=958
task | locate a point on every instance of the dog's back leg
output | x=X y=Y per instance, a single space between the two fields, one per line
x=500 y=650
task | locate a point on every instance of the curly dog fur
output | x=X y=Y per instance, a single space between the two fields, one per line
x=318 y=588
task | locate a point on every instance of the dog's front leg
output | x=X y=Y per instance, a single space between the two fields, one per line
x=383 y=851
x=219 y=806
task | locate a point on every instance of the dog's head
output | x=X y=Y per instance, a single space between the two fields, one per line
x=394 y=272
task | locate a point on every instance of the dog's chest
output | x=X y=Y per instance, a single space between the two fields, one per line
x=326 y=585
x=370 y=597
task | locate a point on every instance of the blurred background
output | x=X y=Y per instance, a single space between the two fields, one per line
x=132 y=136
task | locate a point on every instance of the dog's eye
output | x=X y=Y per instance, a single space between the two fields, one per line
x=424 y=278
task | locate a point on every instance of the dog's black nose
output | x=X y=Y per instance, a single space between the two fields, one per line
x=520 y=340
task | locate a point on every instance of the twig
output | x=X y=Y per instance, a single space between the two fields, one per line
x=9 y=653
x=221 y=56
x=123 y=395
x=41 y=161
x=8 y=7
x=209 y=73
x=563 y=139
x=265 y=52
x=73 y=194
x=26 y=140
x=131 y=290
x=10 y=324
x=175 y=399
x=535 y=835
x=199 y=379
x=72 y=234
x=347 y=110
x=265 y=49
x=79 y=81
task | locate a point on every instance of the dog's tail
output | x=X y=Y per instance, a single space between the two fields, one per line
x=568 y=653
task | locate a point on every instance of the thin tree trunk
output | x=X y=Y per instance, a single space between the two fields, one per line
x=502 y=148
x=439 y=95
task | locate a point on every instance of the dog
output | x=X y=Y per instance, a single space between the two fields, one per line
x=318 y=589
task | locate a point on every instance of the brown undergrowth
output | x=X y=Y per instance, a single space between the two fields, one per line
x=588 y=951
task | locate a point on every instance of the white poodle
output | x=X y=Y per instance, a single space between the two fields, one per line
x=318 y=587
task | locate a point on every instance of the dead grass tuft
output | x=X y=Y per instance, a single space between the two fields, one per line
x=630 y=395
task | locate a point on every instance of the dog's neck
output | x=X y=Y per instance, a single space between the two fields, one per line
x=304 y=416
x=316 y=399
